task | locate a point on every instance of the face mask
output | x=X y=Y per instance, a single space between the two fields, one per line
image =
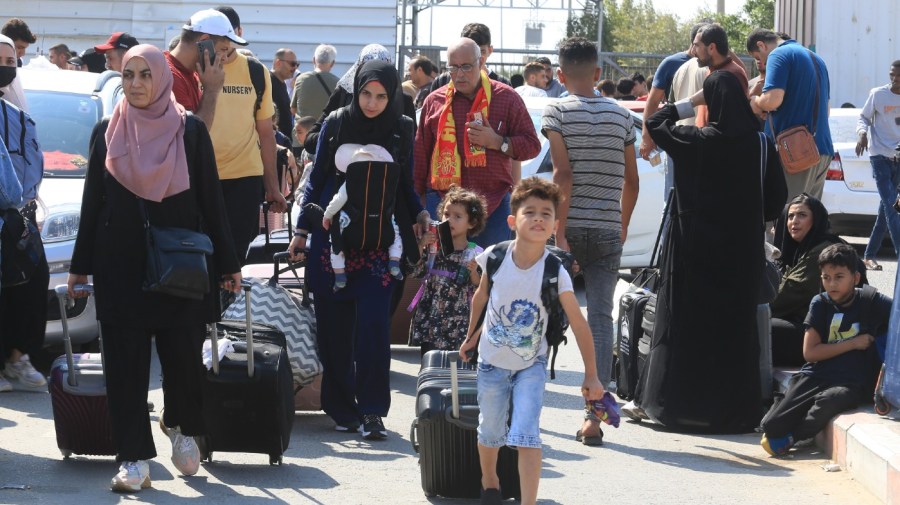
x=7 y=75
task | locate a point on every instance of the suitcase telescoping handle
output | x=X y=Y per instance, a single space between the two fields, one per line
x=455 y=391
x=214 y=336
x=247 y=288
x=62 y=296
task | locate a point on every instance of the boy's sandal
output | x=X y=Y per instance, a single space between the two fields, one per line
x=872 y=264
x=592 y=440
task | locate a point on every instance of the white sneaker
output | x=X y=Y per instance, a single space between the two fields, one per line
x=132 y=477
x=634 y=412
x=185 y=453
x=25 y=373
x=5 y=384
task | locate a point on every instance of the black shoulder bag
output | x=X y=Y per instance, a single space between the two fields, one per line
x=176 y=260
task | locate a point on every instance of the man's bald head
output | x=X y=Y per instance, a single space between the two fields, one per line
x=464 y=61
x=465 y=47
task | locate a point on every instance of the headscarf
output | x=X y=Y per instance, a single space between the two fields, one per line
x=13 y=93
x=820 y=232
x=729 y=111
x=368 y=53
x=145 y=147
x=379 y=129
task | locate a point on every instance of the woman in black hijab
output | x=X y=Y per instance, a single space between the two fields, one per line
x=353 y=323
x=802 y=232
x=711 y=265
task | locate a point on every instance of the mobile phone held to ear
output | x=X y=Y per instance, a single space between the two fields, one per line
x=446 y=238
x=209 y=47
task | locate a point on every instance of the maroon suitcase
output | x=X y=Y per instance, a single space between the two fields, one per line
x=78 y=393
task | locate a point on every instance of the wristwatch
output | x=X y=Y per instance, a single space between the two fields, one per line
x=504 y=147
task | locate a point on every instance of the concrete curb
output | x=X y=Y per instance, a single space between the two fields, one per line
x=865 y=445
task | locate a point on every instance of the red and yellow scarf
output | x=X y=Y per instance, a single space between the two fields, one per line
x=446 y=168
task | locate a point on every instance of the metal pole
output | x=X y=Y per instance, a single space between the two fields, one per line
x=600 y=26
x=402 y=45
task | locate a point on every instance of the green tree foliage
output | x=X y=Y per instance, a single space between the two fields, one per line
x=635 y=26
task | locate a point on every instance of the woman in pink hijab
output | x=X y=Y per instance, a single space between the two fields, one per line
x=150 y=149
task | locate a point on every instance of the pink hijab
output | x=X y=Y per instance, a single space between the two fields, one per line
x=145 y=147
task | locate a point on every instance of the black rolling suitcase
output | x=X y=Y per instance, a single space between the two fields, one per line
x=443 y=432
x=270 y=241
x=631 y=313
x=248 y=398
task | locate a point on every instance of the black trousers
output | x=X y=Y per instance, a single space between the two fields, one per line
x=23 y=314
x=787 y=343
x=242 y=199
x=808 y=405
x=127 y=358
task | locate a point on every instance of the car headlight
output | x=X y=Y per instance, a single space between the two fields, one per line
x=61 y=226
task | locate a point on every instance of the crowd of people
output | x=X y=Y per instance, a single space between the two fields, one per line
x=193 y=145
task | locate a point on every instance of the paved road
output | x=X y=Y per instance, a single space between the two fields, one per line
x=639 y=464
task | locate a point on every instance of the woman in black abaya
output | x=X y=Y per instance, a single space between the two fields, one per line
x=703 y=370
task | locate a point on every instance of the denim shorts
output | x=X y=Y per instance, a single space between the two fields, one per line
x=496 y=386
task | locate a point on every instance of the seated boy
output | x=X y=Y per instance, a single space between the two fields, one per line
x=840 y=328
x=512 y=361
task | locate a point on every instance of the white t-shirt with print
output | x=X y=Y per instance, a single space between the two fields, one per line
x=516 y=321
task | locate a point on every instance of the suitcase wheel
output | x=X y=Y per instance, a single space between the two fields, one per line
x=65 y=453
x=275 y=459
x=205 y=453
x=882 y=408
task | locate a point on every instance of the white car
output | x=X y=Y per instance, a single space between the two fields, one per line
x=65 y=105
x=850 y=194
x=645 y=220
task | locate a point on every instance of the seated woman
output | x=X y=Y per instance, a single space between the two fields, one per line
x=806 y=232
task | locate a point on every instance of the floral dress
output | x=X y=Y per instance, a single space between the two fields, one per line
x=442 y=314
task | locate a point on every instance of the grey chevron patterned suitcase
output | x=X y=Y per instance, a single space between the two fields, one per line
x=274 y=305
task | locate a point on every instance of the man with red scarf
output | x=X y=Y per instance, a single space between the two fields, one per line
x=470 y=132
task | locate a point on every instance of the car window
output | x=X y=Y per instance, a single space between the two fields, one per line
x=64 y=125
x=843 y=128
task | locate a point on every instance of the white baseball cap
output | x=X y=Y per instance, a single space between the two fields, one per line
x=213 y=22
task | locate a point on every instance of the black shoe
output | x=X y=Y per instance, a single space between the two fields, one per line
x=373 y=428
x=491 y=496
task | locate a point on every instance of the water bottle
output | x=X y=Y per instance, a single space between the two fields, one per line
x=462 y=275
x=655 y=157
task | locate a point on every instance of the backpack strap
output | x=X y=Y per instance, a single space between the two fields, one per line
x=550 y=298
x=259 y=82
x=866 y=299
x=494 y=260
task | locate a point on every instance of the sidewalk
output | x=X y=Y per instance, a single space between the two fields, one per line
x=865 y=445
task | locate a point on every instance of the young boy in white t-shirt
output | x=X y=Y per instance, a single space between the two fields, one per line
x=512 y=346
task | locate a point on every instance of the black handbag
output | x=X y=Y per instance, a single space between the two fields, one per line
x=176 y=260
x=21 y=248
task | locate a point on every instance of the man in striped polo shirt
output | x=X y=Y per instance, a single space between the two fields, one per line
x=595 y=166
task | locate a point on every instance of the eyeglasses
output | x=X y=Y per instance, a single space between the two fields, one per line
x=293 y=64
x=466 y=68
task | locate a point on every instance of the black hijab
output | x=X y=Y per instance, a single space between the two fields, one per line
x=820 y=231
x=730 y=114
x=379 y=129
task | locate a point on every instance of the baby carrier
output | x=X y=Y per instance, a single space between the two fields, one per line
x=371 y=190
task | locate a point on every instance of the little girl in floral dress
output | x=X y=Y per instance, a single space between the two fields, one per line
x=441 y=318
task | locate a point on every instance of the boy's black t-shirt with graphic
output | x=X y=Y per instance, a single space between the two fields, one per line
x=836 y=324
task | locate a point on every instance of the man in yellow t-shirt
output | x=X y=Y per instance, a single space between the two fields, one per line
x=244 y=142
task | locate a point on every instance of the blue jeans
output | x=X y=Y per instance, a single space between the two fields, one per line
x=495 y=231
x=496 y=386
x=886 y=172
x=876 y=238
x=599 y=255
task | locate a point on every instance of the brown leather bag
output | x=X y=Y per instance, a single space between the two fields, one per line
x=797 y=149
x=796 y=146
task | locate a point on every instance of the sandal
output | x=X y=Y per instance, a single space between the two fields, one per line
x=591 y=440
x=872 y=264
